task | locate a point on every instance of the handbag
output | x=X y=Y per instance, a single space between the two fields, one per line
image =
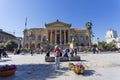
x=57 y=54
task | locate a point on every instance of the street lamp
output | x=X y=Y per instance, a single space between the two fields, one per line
x=47 y=41
x=98 y=41
x=72 y=40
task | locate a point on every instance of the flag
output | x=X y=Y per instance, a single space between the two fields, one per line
x=25 y=22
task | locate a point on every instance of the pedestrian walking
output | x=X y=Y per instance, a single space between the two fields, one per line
x=31 y=52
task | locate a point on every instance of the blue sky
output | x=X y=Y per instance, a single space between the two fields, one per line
x=104 y=14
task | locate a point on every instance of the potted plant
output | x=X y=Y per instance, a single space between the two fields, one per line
x=77 y=68
x=7 y=70
x=71 y=66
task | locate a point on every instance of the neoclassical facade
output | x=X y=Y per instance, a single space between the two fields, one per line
x=57 y=32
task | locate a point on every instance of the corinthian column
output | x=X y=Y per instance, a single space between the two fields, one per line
x=68 y=35
x=64 y=36
x=60 y=37
x=47 y=33
x=51 y=37
x=55 y=36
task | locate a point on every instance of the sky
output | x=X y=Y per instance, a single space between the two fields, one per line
x=104 y=14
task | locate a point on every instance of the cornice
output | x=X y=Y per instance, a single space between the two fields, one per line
x=56 y=22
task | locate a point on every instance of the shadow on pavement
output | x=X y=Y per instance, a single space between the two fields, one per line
x=88 y=72
x=5 y=60
x=35 y=72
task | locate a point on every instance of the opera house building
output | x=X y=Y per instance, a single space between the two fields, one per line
x=55 y=33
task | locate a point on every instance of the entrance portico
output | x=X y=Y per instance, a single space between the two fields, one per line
x=58 y=32
x=56 y=36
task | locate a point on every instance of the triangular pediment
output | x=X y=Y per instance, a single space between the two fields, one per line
x=58 y=23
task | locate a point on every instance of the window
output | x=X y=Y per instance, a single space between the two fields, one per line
x=33 y=37
x=33 y=46
x=38 y=45
x=86 y=37
x=0 y=37
x=26 y=45
x=44 y=38
x=58 y=38
x=26 y=38
x=71 y=37
x=39 y=38
x=81 y=37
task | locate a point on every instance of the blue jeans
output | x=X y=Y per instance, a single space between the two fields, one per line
x=57 y=63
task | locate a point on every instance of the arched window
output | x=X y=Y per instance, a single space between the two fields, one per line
x=86 y=37
x=26 y=45
x=82 y=44
x=81 y=37
x=33 y=46
x=39 y=38
x=33 y=37
x=44 y=38
x=26 y=38
x=38 y=45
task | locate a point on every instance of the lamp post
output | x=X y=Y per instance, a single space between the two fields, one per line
x=72 y=40
x=47 y=43
x=98 y=41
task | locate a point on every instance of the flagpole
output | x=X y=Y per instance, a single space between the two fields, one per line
x=26 y=23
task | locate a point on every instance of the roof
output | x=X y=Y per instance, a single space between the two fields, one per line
x=3 y=32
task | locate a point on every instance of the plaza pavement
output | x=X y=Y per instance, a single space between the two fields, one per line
x=102 y=66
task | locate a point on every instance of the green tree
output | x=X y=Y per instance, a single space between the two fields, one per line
x=107 y=46
x=102 y=45
x=89 y=32
x=10 y=45
x=2 y=44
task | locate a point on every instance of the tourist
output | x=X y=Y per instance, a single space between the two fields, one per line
x=5 y=54
x=68 y=50
x=18 y=51
x=97 y=49
x=0 y=53
x=41 y=50
x=15 y=51
x=71 y=52
x=94 y=50
x=65 y=53
x=60 y=52
x=75 y=50
x=31 y=52
x=48 y=53
x=57 y=57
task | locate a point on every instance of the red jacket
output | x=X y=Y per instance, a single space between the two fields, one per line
x=57 y=52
